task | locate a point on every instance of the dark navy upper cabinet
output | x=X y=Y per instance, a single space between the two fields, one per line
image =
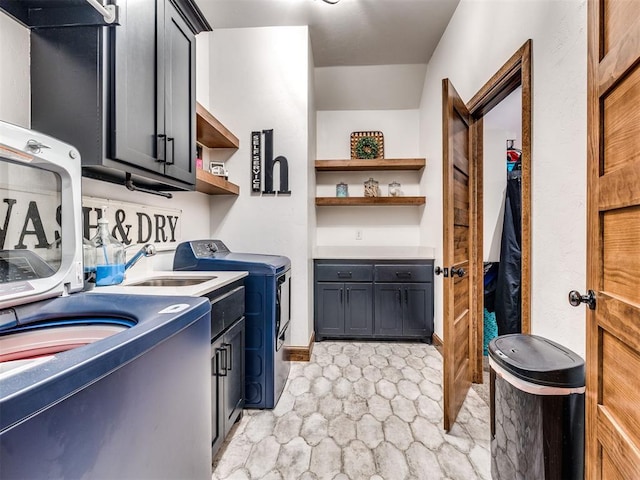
x=374 y=299
x=124 y=95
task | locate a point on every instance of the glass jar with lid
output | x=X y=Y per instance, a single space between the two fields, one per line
x=371 y=188
x=394 y=189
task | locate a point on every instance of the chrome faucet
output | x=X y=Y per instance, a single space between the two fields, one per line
x=147 y=250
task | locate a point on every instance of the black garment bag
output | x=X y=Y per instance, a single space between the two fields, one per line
x=508 y=287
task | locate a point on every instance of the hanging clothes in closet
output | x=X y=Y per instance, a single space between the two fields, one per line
x=508 y=287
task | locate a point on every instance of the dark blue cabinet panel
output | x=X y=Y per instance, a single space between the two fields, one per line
x=388 y=309
x=329 y=309
x=418 y=300
x=358 y=315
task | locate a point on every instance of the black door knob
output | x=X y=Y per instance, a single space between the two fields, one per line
x=443 y=271
x=576 y=298
x=457 y=271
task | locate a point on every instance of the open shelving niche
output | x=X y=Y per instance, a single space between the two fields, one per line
x=360 y=165
x=211 y=133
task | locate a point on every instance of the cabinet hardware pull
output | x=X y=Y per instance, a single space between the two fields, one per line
x=162 y=148
x=224 y=366
x=406 y=296
x=403 y=274
x=348 y=295
x=173 y=151
x=344 y=274
x=400 y=296
x=340 y=295
x=230 y=355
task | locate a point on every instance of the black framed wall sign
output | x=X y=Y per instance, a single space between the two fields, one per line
x=269 y=164
x=256 y=161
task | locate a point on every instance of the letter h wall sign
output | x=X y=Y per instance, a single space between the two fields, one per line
x=269 y=165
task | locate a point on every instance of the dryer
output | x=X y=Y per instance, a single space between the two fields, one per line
x=268 y=307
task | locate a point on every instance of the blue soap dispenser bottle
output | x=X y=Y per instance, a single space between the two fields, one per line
x=109 y=254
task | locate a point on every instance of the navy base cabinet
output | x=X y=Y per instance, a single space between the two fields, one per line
x=374 y=299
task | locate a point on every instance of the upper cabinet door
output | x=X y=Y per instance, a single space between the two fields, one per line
x=138 y=110
x=179 y=95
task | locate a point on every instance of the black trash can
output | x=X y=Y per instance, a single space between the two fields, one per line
x=537 y=409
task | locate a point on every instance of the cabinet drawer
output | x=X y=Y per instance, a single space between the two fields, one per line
x=403 y=273
x=344 y=273
x=226 y=309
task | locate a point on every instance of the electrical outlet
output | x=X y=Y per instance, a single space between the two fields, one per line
x=358 y=234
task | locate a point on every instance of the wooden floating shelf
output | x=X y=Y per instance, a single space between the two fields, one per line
x=211 y=133
x=214 y=184
x=358 y=165
x=366 y=201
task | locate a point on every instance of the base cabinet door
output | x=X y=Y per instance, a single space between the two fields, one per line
x=358 y=309
x=330 y=309
x=227 y=382
x=418 y=300
x=217 y=395
x=388 y=309
x=234 y=341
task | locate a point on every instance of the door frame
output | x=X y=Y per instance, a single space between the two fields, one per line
x=514 y=73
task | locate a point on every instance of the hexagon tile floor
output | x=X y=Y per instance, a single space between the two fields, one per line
x=360 y=411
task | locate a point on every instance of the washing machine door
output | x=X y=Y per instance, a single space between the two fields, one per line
x=283 y=309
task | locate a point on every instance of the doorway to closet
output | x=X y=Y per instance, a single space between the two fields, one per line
x=502 y=220
x=463 y=242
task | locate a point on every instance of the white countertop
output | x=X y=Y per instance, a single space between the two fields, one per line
x=373 y=252
x=211 y=281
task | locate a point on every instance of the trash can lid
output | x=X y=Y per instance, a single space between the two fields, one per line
x=538 y=360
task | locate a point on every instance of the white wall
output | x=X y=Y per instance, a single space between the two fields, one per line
x=369 y=87
x=311 y=185
x=481 y=36
x=15 y=91
x=260 y=79
x=395 y=226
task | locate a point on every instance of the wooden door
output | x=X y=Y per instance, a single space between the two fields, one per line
x=613 y=251
x=456 y=141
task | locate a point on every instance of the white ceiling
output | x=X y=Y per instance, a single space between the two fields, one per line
x=352 y=33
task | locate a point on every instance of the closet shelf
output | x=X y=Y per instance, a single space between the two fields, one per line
x=358 y=165
x=211 y=133
x=369 y=201
x=214 y=184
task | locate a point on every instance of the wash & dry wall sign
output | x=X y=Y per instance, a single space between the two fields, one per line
x=31 y=220
x=131 y=223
